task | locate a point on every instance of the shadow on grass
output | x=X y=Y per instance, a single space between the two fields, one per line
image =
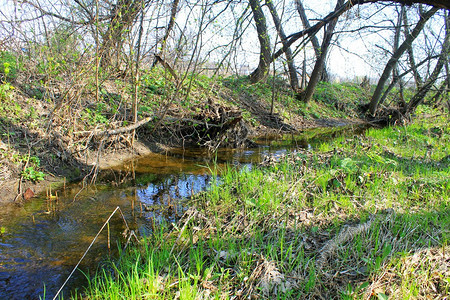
x=297 y=257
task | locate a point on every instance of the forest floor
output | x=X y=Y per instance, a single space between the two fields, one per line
x=46 y=141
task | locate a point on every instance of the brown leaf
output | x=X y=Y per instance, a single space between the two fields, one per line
x=28 y=194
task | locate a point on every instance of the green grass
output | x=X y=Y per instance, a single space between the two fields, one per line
x=353 y=218
x=330 y=100
x=9 y=66
x=335 y=100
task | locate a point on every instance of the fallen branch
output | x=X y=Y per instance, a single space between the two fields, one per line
x=149 y=119
x=115 y=131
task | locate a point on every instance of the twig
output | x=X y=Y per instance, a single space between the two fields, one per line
x=87 y=250
x=192 y=214
x=19 y=188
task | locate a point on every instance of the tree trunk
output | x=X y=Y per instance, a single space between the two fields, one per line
x=314 y=39
x=123 y=15
x=318 y=67
x=304 y=72
x=264 y=54
x=447 y=79
x=411 y=60
x=173 y=15
x=373 y=105
x=395 y=72
x=293 y=78
x=420 y=95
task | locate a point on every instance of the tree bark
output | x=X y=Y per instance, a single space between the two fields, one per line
x=314 y=39
x=373 y=105
x=318 y=67
x=264 y=54
x=293 y=78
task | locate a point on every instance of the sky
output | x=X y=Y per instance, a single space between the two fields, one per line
x=353 y=55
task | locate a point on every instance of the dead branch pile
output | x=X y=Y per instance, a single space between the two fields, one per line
x=212 y=127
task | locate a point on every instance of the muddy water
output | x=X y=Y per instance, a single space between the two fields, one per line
x=45 y=239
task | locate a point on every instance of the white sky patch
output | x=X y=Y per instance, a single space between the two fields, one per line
x=354 y=55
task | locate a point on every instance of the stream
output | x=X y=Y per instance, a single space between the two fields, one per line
x=45 y=239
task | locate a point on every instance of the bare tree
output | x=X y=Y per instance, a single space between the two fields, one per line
x=318 y=67
x=293 y=78
x=373 y=105
x=314 y=39
x=395 y=71
x=264 y=41
x=411 y=59
x=428 y=84
x=314 y=29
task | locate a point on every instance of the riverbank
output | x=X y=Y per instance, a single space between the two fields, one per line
x=45 y=144
x=362 y=217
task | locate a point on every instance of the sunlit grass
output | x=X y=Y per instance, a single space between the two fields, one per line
x=352 y=219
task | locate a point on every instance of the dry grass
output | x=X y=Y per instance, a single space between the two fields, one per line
x=424 y=274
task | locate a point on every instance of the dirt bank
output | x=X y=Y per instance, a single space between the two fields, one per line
x=45 y=143
x=13 y=185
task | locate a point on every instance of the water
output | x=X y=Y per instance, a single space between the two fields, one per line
x=45 y=239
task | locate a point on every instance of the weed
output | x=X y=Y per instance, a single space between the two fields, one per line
x=9 y=66
x=5 y=92
x=343 y=219
x=31 y=174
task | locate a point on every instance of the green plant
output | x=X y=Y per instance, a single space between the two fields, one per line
x=31 y=174
x=5 y=91
x=94 y=116
x=8 y=66
x=372 y=210
x=56 y=56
